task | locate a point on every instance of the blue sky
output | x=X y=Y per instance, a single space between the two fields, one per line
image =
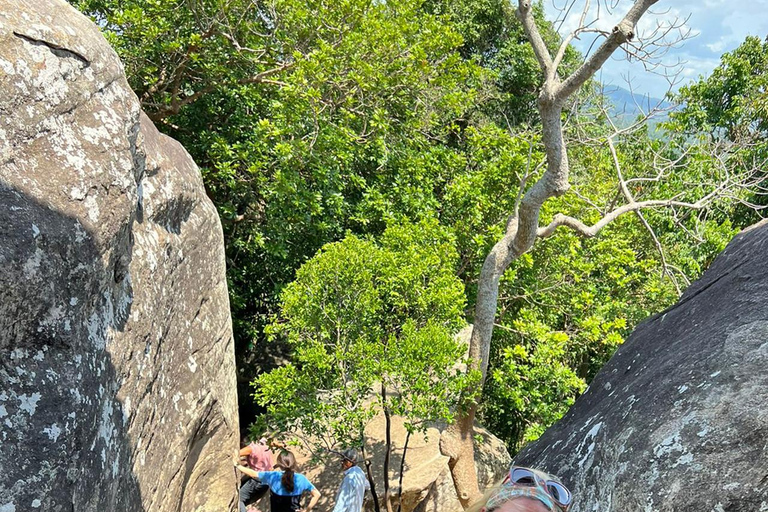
x=715 y=27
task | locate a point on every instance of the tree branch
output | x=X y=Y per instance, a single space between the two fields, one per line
x=620 y=34
x=525 y=15
x=630 y=199
x=590 y=231
x=582 y=27
x=177 y=104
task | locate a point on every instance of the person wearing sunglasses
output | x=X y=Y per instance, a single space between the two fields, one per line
x=525 y=490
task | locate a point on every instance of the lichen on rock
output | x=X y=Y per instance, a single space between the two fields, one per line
x=678 y=419
x=112 y=280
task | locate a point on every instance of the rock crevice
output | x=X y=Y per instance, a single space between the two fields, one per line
x=56 y=49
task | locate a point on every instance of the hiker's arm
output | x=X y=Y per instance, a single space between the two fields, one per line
x=313 y=501
x=247 y=471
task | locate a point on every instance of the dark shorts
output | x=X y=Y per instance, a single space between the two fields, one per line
x=251 y=490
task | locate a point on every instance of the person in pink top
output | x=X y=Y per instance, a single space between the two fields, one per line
x=260 y=458
x=259 y=455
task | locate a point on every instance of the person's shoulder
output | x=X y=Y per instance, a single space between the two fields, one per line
x=269 y=475
x=303 y=482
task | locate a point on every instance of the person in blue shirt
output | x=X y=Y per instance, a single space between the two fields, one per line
x=285 y=485
x=353 y=487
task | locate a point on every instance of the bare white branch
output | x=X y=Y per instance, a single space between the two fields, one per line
x=624 y=31
x=525 y=15
x=637 y=191
x=582 y=27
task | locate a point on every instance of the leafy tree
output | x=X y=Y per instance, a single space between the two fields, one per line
x=731 y=102
x=730 y=107
x=532 y=388
x=630 y=195
x=176 y=56
x=372 y=327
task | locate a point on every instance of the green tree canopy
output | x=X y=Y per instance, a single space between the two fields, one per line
x=358 y=120
x=730 y=107
x=372 y=329
x=732 y=102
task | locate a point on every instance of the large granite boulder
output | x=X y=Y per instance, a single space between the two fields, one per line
x=678 y=419
x=117 y=378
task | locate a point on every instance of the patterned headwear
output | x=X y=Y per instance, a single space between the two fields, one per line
x=508 y=491
x=535 y=491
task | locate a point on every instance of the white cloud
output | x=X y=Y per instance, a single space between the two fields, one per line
x=718 y=46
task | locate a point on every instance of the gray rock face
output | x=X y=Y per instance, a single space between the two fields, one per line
x=678 y=419
x=117 y=378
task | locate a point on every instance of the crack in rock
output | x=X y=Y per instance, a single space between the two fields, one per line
x=57 y=50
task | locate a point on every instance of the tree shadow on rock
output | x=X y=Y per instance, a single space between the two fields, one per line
x=64 y=444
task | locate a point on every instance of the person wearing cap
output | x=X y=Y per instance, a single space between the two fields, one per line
x=349 y=498
x=525 y=490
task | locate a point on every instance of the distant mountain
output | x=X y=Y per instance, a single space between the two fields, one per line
x=627 y=103
x=626 y=106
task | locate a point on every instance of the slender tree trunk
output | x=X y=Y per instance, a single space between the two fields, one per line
x=369 y=473
x=523 y=224
x=457 y=442
x=402 y=471
x=387 y=446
